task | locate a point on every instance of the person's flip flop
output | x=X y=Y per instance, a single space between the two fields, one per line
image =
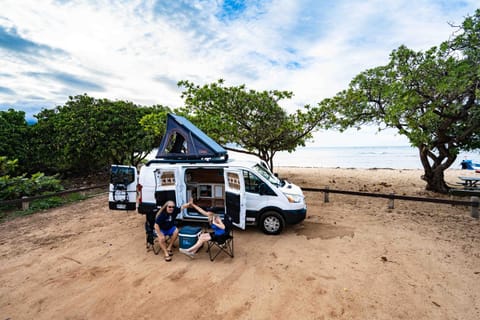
x=168 y=258
x=187 y=253
x=170 y=253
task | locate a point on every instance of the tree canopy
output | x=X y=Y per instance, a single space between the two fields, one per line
x=247 y=118
x=431 y=97
x=14 y=133
x=88 y=134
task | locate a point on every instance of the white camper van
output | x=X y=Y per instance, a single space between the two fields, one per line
x=245 y=190
x=189 y=165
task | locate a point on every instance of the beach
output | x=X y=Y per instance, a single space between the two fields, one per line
x=365 y=157
x=351 y=258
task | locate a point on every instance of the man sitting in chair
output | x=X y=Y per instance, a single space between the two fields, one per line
x=219 y=233
x=165 y=227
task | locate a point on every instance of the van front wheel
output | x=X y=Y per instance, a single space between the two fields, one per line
x=272 y=223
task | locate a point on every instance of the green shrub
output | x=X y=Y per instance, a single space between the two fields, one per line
x=40 y=205
x=23 y=186
x=47 y=203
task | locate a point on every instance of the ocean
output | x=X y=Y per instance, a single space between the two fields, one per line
x=397 y=157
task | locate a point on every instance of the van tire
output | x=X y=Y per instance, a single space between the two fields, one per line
x=271 y=223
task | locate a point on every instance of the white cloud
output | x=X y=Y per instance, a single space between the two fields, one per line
x=138 y=50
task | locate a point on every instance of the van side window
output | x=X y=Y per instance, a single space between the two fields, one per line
x=253 y=184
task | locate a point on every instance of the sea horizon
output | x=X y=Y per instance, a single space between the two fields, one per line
x=364 y=157
x=360 y=157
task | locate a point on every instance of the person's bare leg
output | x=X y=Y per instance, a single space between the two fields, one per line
x=163 y=244
x=173 y=238
x=204 y=237
x=196 y=246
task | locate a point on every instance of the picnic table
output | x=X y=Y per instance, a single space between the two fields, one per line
x=470 y=182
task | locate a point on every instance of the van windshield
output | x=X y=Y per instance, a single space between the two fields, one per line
x=264 y=172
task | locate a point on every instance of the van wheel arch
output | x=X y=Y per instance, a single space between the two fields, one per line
x=271 y=223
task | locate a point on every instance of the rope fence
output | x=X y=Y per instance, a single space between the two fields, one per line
x=473 y=203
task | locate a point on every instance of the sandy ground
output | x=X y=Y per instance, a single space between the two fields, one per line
x=352 y=258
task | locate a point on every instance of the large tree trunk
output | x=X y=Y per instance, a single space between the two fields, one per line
x=435 y=180
x=434 y=173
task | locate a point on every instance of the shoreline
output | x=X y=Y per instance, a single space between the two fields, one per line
x=380 y=180
x=463 y=171
x=360 y=157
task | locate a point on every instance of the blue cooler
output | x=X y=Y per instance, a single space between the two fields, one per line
x=188 y=236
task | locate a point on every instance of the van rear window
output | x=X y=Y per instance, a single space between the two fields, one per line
x=122 y=175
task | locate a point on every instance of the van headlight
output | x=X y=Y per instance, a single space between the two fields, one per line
x=294 y=198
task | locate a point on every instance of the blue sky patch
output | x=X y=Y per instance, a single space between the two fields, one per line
x=231 y=9
x=7 y=91
x=68 y=80
x=293 y=65
x=10 y=40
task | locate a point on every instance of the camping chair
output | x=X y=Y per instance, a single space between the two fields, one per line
x=226 y=246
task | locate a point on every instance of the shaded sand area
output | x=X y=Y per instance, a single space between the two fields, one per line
x=352 y=258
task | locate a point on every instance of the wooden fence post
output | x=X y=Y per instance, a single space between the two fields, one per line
x=390 y=201
x=474 y=207
x=325 y=195
x=25 y=204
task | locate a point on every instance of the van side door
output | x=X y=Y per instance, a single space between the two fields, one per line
x=235 y=197
x=166 y=185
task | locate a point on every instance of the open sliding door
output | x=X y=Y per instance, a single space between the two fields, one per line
x=235 y=196
x=166 y=185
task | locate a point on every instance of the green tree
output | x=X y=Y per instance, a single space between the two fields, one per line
x=250 y=119
x=154 y=123
x=88 y=134
x=430 y=97
x=44 y=146
x=14 y=135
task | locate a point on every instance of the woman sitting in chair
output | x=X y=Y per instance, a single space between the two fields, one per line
x=219 y=233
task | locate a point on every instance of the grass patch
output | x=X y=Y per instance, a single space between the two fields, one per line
x=8 y=213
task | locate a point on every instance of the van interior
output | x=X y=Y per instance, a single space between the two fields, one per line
x=206 y=186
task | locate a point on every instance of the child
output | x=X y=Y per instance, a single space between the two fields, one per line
x=219 y=233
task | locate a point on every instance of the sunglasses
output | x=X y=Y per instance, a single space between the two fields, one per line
x=170 y=207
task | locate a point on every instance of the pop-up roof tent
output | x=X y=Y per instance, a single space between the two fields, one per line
x=184 y=142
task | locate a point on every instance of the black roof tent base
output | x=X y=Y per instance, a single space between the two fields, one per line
x=173 y=161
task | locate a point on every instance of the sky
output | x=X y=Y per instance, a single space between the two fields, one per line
x=138 y=50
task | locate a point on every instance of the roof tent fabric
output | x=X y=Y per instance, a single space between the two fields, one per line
x=184 y=141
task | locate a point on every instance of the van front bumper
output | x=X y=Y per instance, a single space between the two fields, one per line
x=295 y=216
